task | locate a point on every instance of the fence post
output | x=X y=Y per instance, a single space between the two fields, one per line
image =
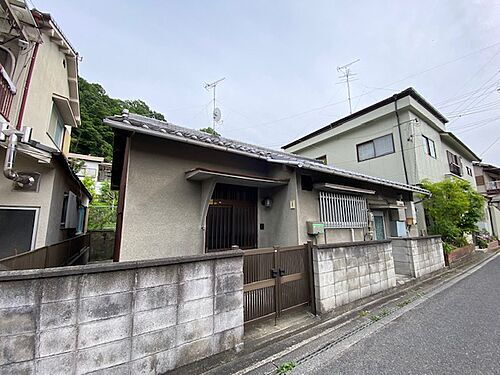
x=310 y=260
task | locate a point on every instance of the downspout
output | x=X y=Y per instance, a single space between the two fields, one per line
x=491 y=208
x=10 y=158
x=400 y=138
x=27 y=87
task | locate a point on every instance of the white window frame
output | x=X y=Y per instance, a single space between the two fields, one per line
x=59 y=119
x=35 y=222
x=339 y=210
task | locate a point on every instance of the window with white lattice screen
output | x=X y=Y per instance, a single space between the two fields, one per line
x=339 y=210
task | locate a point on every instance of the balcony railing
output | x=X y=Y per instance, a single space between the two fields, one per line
x=7 y=92
x=493 y=186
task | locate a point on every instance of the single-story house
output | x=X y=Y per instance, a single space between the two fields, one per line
x=185 y=192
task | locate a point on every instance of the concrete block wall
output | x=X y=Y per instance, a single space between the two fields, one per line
x=143 y=317
x=418 y=256
x=347 y=272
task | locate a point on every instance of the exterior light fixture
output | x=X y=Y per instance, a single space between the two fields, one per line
x=267 y=202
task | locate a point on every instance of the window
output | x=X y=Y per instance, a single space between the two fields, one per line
x=306 y=182
x=338 y=210
x=104 y=172
x=455 y=163
x=81 y=218
x=17 y=230
x=469 y=170
x=89 y=172
x=430 y=147
x=56 y=127
x=322 y=159
x=377 y=147
x=64 y=212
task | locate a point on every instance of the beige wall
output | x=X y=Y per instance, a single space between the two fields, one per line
x=49 y=199
x=40 y=199
x=49 y=77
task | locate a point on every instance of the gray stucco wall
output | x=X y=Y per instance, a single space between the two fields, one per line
x=133 y=317
x=344 y=273
x=418 y=256
x=163 y=210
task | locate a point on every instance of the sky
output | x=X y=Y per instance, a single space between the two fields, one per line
x=280 y=58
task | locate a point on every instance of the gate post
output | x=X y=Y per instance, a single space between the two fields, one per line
x=310 y=261
x=277 y=286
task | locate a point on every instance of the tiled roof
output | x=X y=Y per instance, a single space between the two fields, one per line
x=162 y=129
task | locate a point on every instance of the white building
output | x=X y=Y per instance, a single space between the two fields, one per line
x=94 y=167
x=401 y=138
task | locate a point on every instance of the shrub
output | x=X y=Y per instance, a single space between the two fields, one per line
x=453 y=209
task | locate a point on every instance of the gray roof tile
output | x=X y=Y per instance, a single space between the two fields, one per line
x=159 y=128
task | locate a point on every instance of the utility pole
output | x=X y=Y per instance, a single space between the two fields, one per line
x=346 y=78
x=216 y=115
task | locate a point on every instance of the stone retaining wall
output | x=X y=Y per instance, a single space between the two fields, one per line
x=418 y=256
x=102 y=243
x=346 y=272
x=143 y=317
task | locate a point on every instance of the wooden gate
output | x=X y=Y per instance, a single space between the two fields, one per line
x=275 y=279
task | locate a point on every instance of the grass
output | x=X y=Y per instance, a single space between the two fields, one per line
x=364 y=313
x=285 y=367
x=404 y=303
x=375 y=318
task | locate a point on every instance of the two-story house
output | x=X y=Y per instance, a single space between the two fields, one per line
x=401 y=138
x=42 y=201
x=488 y=184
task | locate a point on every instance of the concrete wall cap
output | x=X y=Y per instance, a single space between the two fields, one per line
x=349 y=244
x=117 y=266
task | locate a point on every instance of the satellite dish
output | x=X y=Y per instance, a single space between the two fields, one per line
x=217 y=114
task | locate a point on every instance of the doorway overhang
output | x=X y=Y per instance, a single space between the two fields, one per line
x=200 y=174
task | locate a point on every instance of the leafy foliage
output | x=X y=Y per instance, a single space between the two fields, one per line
x=211 y=131
x=453 y=210
x=102 y=209
x=92 y=137
x=285 y=368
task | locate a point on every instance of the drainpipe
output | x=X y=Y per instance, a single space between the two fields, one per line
x=10 y=156
x=400 y=138
x=27 y=87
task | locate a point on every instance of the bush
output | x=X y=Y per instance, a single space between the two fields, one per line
x=453 y=209
x=482 y=243
x=448 y=248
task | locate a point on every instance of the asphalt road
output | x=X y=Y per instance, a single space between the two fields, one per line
x=456 y=331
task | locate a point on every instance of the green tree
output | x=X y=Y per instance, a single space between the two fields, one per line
x=92 y=137
x=211 y=131
x=102 y=208
x=453 y=209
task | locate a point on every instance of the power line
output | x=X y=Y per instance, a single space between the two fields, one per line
x=369 y=92
x=490 y=146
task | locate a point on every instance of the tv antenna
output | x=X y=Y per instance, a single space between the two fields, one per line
x=346 y=78
x=216 y=113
